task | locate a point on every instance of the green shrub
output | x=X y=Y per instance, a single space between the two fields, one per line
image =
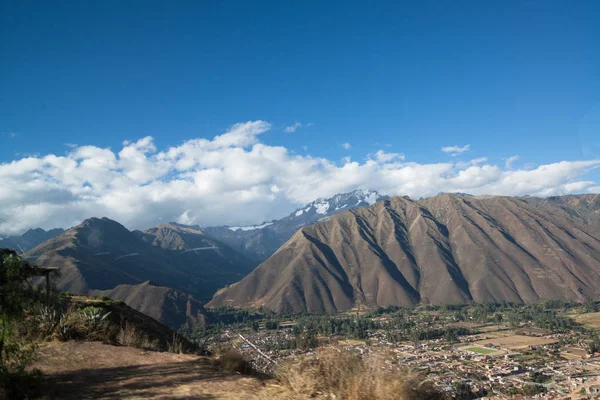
x=95 y=316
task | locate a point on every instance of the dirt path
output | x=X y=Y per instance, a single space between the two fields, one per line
x=83 y=370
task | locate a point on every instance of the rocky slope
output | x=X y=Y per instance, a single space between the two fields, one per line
x=443 y=249
x=261 y=241
x=583 y=207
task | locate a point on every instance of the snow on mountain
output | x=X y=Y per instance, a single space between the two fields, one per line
x=321 y=208
x=342 y=202
x=249 y=228
x=324 y=207
x=260 y=241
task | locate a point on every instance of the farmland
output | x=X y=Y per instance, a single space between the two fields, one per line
x=481 y=350
x=515 y=342
x=591 y=320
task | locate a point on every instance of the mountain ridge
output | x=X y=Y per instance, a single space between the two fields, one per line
x=102 y=257
x=29 y=239
x=260 y=241
x=443 y=249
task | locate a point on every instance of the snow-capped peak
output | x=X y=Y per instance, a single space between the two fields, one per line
x=340 y=202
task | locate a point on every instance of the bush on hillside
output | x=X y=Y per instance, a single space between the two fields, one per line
x=232 y=361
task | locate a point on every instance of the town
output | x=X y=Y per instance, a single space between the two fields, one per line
x=502 y=351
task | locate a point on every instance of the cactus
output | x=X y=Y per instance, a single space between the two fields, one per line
x=95 y=316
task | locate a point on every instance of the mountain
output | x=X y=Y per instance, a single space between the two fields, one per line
x=583 y=207
x=29 y=239
x=102 y=256
x=259 y=242
x=164 y=304
x=440 y=250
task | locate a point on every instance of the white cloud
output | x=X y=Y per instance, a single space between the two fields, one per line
x=383 y=157
x=508 y=162
x=347 y=146
x=456 y=150
x=236 y=179
x=475 y=161
x=293 y=128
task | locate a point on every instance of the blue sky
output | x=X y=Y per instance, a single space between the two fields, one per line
x=507 y=78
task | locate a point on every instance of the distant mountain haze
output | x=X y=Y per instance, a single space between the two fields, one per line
x=29 y=239
x=450 y=248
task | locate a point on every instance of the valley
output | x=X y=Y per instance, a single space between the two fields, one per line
x=471 y=296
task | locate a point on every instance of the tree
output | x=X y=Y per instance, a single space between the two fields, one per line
x=480 y=313
x=15 y=291
x=307 y=340
x=459 y=315
x=16 y=294
x=594 y=345
x=514 y=319
x=463 y=391
x=589 y=306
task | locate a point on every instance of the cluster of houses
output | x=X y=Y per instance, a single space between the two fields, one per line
x=500 y=373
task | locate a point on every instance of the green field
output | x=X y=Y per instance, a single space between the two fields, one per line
x=481 y=350
x=590 y=320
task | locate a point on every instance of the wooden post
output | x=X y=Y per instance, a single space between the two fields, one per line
x=47 y=287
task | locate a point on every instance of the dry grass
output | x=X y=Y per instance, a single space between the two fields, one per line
x=129 y=336
x=175 y=345
x=347 y=376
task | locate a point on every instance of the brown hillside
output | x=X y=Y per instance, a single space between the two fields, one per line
x=102 y=257
x=444 y=249
x=164 y=304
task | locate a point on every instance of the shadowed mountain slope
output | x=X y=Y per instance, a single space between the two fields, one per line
x=444 y=249
x=164 y=304
x=100 y=256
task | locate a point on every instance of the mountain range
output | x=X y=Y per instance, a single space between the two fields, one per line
x=354 y=249
x=445 y=249
x=168 y=271
x=163 y=271
x=259 y=242
x=29 y=239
